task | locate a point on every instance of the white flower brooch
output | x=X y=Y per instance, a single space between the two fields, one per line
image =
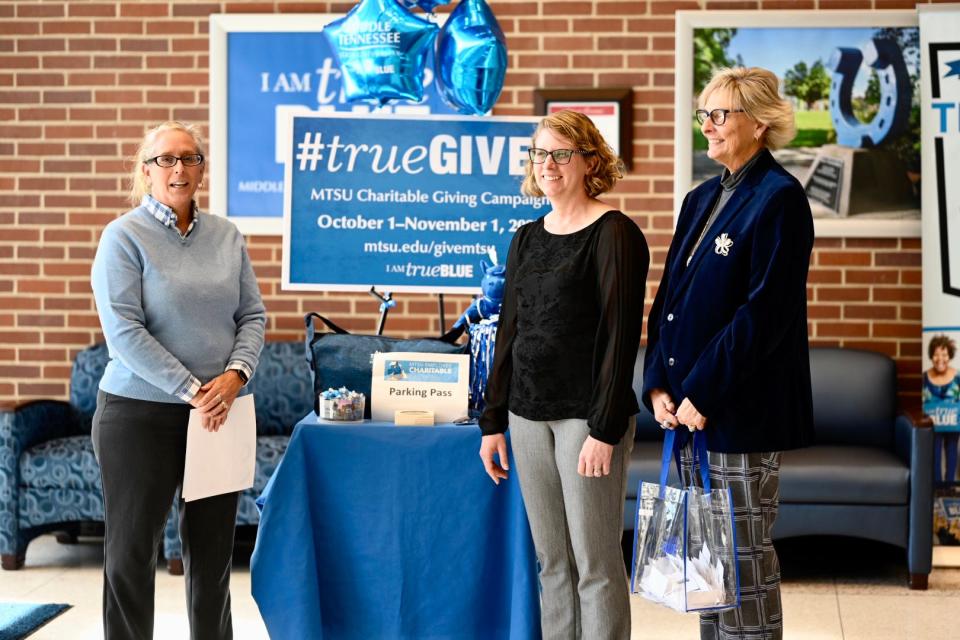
x=723 y=243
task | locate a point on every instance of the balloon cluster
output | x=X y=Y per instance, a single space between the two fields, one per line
x=382 y=49
x=426 y=5
x=471 y=58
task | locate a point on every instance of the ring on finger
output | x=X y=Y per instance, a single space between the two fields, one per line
x=223 y=404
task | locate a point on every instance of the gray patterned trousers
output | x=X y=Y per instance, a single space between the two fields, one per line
x=754 y=481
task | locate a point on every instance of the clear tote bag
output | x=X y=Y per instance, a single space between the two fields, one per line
x=685 y=551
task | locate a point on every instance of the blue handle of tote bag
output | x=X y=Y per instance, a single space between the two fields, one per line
x=671 y=449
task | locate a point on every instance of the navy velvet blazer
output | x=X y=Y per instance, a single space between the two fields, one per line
x=729 y=331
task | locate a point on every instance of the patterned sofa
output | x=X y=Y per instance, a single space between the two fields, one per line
x=49 y=478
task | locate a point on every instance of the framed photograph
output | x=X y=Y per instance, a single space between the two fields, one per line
x=610 y=109
x=853 y=79
x=263 y=69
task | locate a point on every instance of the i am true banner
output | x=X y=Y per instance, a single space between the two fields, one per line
x=402 y=203
x=940 y=86
x=263 y=67
x=940 y=125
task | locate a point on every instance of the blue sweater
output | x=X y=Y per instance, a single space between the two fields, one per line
x=174 y=309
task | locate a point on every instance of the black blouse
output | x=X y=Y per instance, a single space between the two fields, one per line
x=570 y=327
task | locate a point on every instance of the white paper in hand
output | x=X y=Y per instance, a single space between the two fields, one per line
x=221 y=461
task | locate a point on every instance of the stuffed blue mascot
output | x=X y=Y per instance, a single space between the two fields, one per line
x=480 y=319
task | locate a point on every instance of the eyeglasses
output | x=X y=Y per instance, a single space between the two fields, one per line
x=560 y=156
x=166 y=162
x=717 y=116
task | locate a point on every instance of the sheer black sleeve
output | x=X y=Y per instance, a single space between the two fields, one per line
x=622 y=261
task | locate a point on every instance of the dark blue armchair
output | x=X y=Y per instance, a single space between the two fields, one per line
x=870 y=472
x=868 y=475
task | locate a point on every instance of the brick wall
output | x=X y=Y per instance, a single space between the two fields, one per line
x=80 y=80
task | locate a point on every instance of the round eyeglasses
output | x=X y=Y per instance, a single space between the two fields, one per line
x=717 y=116
x=166 y=161
x=560 y=156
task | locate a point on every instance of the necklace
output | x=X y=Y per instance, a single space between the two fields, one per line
x=706 y=227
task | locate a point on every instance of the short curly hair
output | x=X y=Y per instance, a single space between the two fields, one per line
x=756 y=91
x=604 y=168
x=941 y=342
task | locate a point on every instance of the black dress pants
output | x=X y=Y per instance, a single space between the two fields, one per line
x=140 y=447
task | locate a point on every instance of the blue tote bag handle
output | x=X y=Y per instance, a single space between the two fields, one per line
x=671 y=449
x=700 y=459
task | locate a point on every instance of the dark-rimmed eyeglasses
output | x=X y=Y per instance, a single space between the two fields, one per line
x=560 y=156
x=166 y=162
x=717 y=116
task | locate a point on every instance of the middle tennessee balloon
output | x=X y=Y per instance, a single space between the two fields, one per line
x=471 y=58
x=382 y=50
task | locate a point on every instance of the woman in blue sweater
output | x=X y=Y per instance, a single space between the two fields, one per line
x=184 y=323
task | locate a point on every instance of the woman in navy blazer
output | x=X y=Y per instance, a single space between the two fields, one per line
x=727 y=348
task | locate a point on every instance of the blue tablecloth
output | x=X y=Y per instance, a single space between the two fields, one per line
x=377 y=531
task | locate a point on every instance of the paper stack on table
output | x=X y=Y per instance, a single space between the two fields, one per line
x=663 y=581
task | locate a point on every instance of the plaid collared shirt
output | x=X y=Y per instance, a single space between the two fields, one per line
x=165 y=214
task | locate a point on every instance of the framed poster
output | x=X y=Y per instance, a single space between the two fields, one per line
x=844 y=72
x=610 y=109
x=264 y=67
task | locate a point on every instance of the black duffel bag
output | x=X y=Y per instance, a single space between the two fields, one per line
x=343 y=359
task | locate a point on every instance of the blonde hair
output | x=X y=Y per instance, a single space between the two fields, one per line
x=604 y=168
x=756 y=91
x=138 y=181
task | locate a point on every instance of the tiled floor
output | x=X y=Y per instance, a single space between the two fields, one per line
x=833 y=589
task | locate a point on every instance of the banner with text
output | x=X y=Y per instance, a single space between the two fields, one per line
x=940 y=145
x=402 y=203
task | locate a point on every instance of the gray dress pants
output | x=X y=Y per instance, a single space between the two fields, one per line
x=577 y=524
x=140 y=446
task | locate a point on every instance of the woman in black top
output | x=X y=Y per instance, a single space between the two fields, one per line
x=562 y=377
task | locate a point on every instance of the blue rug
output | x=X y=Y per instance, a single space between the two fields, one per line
x=20 y=619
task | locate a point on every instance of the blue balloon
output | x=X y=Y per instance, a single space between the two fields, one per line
x=471 y=58
x=382 y=50
x=426 y=5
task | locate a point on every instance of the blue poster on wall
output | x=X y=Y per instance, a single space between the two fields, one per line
x=269 y=75
x=402 y=203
